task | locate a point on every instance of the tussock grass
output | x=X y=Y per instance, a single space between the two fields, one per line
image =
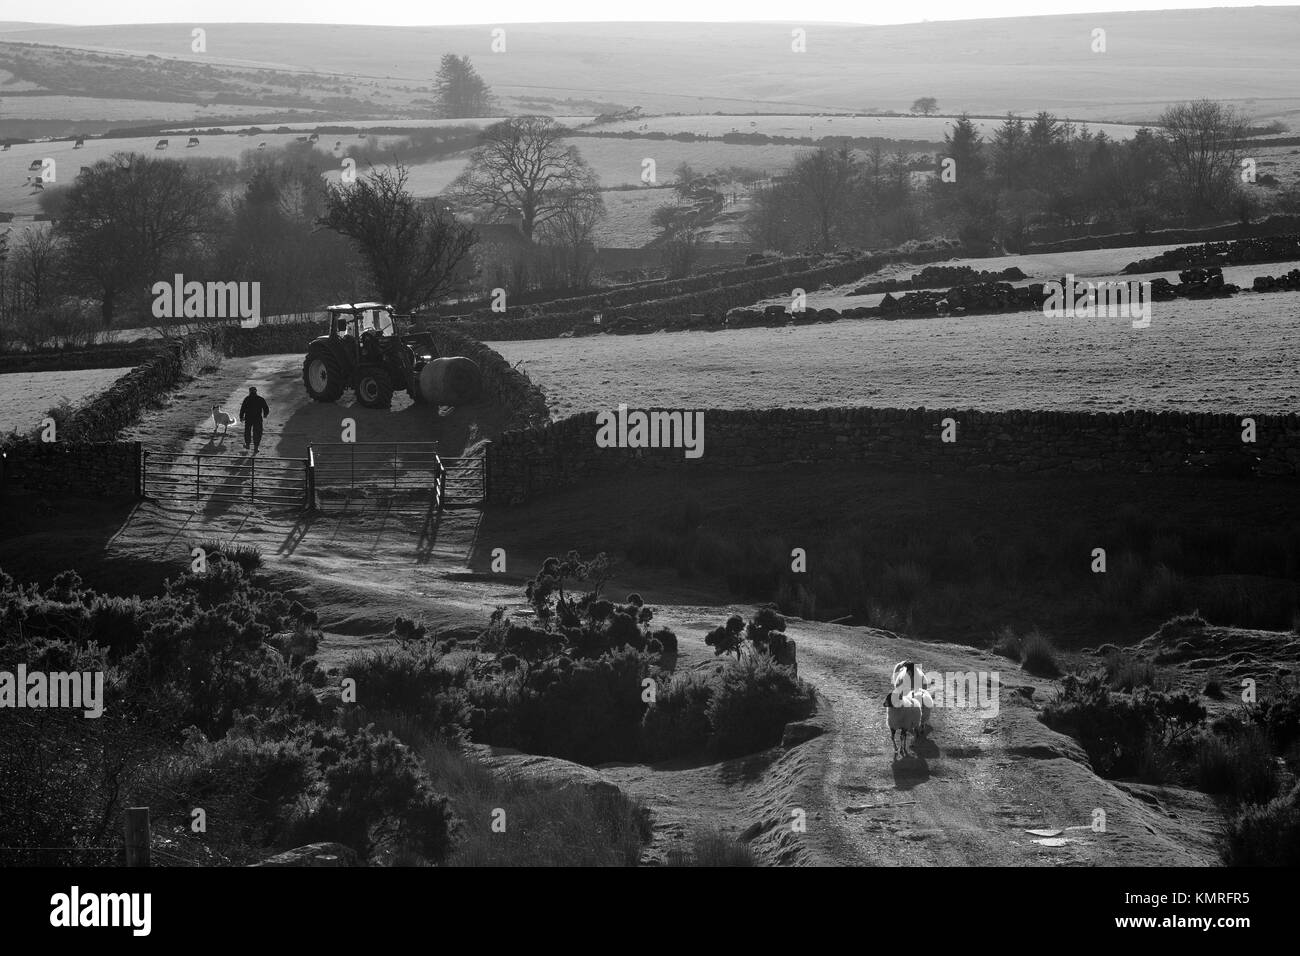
x=712 y=848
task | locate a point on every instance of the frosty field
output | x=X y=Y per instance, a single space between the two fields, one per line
x=1234 y=355
x=25 y=397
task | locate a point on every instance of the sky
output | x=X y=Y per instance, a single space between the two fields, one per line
x=422 y=12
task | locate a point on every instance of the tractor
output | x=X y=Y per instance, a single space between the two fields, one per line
x=362 y=351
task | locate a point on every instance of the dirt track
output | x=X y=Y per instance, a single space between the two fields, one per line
x=974 y=788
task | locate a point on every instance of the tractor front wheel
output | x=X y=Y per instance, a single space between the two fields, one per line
x=323 y=377
x=374 y=387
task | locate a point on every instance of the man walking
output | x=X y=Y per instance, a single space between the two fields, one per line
x=251 y=413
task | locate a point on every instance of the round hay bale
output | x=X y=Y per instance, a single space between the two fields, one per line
x=451 y=381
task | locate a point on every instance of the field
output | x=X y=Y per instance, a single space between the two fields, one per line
x=25 y=397
x=58 y=106
x=1235 y=355
x=1092 y=265
x=928 y=128
x=998 y=64
x=17 y=195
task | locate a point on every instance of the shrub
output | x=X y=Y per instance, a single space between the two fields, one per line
x=678 y=721
x=712 y=848
x=411 y=679
x=1279 y=715
x=1008 y=645
x=1039 y=656
x=1114 y=729
x=752 y=702
x=1176 y=627
x=1213 y=690
x=1267 y=835
x=1125 y=672
x=584 y=709
x=1240 y=766
x=374 y=797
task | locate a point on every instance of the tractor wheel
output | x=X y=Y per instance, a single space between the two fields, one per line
x=323 y=376
x=374 y=387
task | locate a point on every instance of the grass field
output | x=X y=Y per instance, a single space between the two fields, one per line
x=929 y=128
x=1236 y=355
x=987 y=66
x=25 y=397
x=56 y=106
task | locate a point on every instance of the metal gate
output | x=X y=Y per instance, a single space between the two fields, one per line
x=202 y=479
x=391 y=474
x=464 y=481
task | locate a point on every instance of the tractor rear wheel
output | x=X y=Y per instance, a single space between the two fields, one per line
x=374 y=387
x=323 y=376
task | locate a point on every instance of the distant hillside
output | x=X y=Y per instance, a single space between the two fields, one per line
x=1152 y=58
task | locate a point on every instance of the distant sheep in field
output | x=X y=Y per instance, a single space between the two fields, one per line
x=161 y=144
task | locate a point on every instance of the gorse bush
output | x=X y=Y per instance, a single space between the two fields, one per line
x=584 y=709
x=1265 y=835
x=413 y=679
x=1114 y=728
x=678 y=722
x=752 y=702
x=1239 y=765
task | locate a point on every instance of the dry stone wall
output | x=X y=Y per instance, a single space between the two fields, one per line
x=526 y=463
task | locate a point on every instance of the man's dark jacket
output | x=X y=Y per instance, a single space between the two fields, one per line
x=254 y=408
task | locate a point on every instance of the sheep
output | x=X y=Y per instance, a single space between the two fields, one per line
x=904 y=713
x=909 y=678
x=220 y=420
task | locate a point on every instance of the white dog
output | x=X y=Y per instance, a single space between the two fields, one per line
x=220 y=420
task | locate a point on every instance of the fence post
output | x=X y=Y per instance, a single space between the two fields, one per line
x=394 y=466
x=310 y=504
x=198 y=465
x=252 y=479
x=136 y=829
x=142 y=472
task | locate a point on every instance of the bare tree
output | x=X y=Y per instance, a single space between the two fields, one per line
x=925 y=105
x=36 y=265
x=823 y=179
x=127 y=218
x=522 y=167
x=410 y=248
x=679 y=239
x=1202 y=141
x=572 y=232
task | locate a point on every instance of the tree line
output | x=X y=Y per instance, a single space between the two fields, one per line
x=1028 y=174
x=274 y=218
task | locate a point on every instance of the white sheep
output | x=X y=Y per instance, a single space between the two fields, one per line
x=909 y=678
x=904 y=712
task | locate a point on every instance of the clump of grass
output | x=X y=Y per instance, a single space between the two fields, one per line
x=1240 y=766
x=712 y=848
x=1008 y=644
x=564 y=825
x=1213 y=690
x=1039 y=656
x=247 y=556
x=1125 y=672
x=1176 y=627
x=1267 y=835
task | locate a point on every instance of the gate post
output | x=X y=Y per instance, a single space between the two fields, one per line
x=198 y=464
x=310 y=503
